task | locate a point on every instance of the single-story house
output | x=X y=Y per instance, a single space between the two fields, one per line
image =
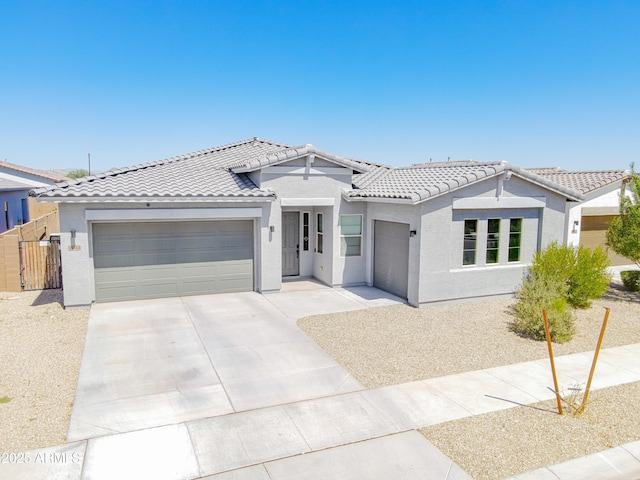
x=587 y=222
x=247 y=215
x=15 y=183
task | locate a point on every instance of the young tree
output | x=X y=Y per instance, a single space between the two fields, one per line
x=623 y=235
x=81 y=172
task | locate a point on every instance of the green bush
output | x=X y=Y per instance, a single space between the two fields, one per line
x=583 y=270
x=539 y=292
x=631 y=280
x=590 y=278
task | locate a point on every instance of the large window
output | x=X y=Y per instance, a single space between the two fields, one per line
x=493 y=240
x=319 y=233
x=470 y=241
x=515 y=238
x=350 y=235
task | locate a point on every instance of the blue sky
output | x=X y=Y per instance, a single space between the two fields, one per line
x=536 y=83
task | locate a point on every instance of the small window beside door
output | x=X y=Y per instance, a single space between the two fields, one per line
x=305 y=231
x=319 y=233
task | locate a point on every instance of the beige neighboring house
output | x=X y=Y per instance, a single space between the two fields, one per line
x=587 y=222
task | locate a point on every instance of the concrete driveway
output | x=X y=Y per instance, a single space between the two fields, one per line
x=159 y=362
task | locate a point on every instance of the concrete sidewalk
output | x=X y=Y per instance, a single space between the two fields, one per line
x=364 y=434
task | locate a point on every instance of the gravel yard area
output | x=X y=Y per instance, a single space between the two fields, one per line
x=40 y=352
x=397 y=344
x=505 y=443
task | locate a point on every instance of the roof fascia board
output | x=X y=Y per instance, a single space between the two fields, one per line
x=300 y=153
x=541 y=181
x=133 y=214
x=156 y=199
x=403 y=201
x=15 y=189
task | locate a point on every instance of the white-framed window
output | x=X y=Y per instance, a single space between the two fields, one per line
x=319 y=232
x=350 y=235
x=470 y=241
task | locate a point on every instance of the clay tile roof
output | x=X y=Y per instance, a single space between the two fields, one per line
x=584 y=181
x=204 y=173
x=421 y=182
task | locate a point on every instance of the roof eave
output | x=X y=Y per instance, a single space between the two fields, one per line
x=157 y=199
x=402 y=201
x=569 y=193
x=296 y=153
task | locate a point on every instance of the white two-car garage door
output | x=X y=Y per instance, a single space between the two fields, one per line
x=164 y=259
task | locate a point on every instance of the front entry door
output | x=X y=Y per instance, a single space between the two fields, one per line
x=290 y=243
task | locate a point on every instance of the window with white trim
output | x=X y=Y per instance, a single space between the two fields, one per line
x=350 y=235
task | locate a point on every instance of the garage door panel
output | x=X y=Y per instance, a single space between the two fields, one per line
x=593 y=234
x=170 y=259
x=391 y=257
x=113 y=229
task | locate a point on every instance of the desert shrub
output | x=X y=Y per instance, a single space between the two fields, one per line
x=631 y=280
x=584 y=271
x=590 y=278
x=536 y=293
x=555 y=261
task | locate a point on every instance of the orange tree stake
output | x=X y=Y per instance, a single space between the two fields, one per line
x=595 y=360
x=553 y=366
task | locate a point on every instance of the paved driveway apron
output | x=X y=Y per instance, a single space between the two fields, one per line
x=158 y=362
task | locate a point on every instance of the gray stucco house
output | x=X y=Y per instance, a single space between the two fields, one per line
x=246 y=215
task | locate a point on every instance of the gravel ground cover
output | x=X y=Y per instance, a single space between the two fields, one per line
x=502 y=444
x=397 y=344
x=40 y=352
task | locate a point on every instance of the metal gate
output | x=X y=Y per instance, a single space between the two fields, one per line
x=40 y=266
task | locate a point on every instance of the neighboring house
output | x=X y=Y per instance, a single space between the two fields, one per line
x=247 y=215
x=15 y=183
x=587 y=222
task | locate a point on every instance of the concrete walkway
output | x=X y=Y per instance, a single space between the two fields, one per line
x=352 y=435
